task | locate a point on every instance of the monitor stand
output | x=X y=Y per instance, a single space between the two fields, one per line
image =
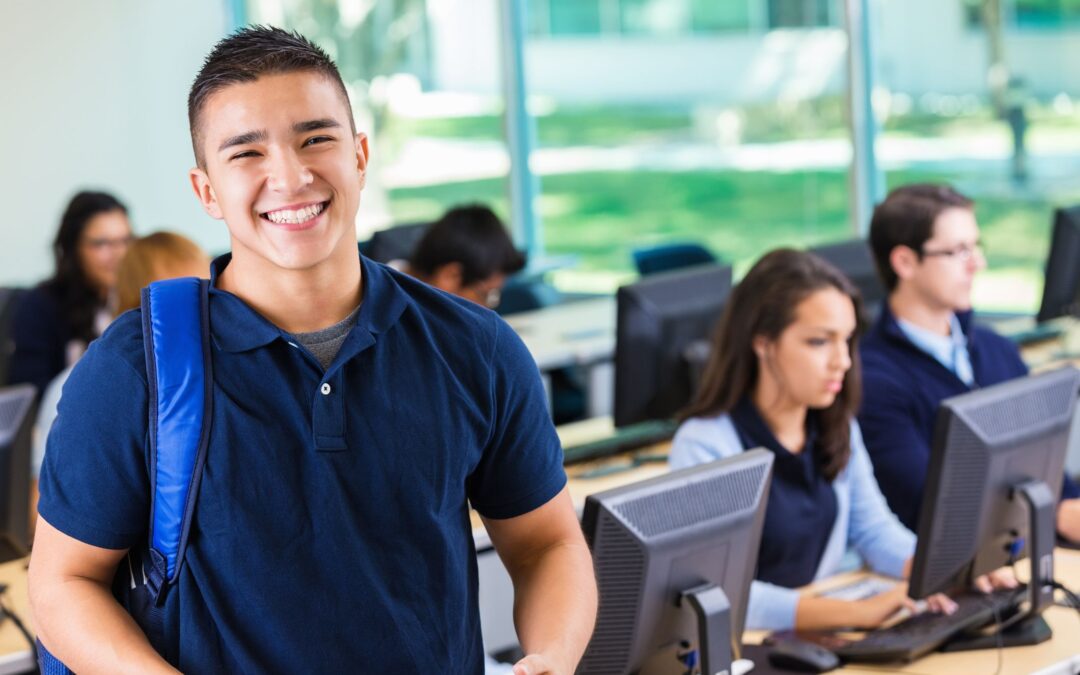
x=713 y=613
x=1026 y=627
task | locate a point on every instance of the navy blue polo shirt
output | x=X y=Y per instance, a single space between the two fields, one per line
x=332 y=529
x=903 y=386
x=801 y=512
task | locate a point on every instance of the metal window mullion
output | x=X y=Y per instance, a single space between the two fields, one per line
x=520 y=132
x=866 y=179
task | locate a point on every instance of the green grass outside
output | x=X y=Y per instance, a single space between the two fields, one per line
x=601 y=217
x=763 y=123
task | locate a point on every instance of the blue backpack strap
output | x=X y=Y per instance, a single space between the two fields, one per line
x=176 y=337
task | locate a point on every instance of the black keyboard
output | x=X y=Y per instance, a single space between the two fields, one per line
x=623 y=440
x=919 y=635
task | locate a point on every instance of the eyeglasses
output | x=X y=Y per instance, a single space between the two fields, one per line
x=961 y=253
x=102 y=243
x=492 y=298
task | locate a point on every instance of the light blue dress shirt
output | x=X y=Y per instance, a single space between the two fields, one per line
x=949 y=350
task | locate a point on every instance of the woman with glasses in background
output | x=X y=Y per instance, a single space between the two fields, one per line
x=54 y=322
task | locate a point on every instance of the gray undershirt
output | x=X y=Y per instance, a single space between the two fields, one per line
x=324 y=344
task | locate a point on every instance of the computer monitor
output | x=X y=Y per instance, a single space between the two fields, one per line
x=16 y=423
x=856 y=261
x=657 y=319
x=674 y=558
x=395 y=243
x=1061 y=293
x=995 y=473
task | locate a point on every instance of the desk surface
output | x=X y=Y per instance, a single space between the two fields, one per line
x=1065 y=644
x=1056 y=352
x=15 y=654
x=571 y=334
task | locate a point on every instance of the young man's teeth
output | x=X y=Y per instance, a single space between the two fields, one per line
x=302 y=215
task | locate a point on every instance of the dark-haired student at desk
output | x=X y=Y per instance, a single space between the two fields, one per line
x=54 y=322
x=925 y=346
x=781 y=376
x=468 y=253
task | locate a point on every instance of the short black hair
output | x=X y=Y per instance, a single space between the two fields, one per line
x=906 y=218
x=473 y=236
x=247 y=55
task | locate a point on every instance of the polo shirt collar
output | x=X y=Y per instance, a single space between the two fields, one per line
x=754 y=432
x=236 y=327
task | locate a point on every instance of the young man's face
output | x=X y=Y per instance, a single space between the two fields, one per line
x=283 y=169
x=950 y=259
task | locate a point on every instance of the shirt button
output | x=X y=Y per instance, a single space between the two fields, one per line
x=325 y=388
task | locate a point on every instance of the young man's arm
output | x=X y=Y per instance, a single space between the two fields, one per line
x=75 y=614
x=554 y=585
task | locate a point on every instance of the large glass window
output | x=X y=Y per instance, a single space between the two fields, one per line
x=639 y=17
x=1006 y=134
x=1046 y=13
x=424 y=80
x=737 y=141
x=801 y=13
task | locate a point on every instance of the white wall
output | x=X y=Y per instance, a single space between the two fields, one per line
x=94 y=96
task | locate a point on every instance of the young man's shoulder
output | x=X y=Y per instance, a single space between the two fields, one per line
x=443 y=310
x=122 y=340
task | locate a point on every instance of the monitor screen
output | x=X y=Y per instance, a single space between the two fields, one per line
x=395 y=243
x=855 y=259
x=657 y=320
x=16 y=423
x=654 y=541
x=988 y=444
x=1061 y=293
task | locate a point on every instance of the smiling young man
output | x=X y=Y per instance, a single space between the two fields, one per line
x=925 y=347
x=357 y=414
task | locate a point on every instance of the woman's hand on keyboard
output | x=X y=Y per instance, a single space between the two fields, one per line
x=877 y=610
x=894 y=605
x=1000 y=578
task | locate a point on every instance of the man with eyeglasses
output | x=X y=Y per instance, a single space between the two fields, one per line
x=924 y=346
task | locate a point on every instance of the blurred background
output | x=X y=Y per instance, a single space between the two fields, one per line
x=593 y=127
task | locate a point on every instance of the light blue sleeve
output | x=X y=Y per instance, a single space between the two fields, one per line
x=700 y=440
x=45 y=416
x=875 y=532
x=771 y=607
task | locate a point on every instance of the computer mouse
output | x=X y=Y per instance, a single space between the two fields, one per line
x=806 y=657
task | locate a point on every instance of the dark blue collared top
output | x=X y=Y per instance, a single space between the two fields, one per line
x=332 y=531
x=903 y=386
x=801 y=512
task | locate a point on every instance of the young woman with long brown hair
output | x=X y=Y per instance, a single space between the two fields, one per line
x=783 y=375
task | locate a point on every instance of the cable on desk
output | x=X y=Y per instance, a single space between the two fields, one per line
x=1070 y=597
x=18 y=624
x=997 y=638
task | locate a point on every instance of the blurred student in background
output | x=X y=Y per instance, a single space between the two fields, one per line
x=467 y=252
x=925 y=345
x=55 y=321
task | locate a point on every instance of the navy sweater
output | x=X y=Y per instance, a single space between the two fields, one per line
x=40 y=336
x=902 y=389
